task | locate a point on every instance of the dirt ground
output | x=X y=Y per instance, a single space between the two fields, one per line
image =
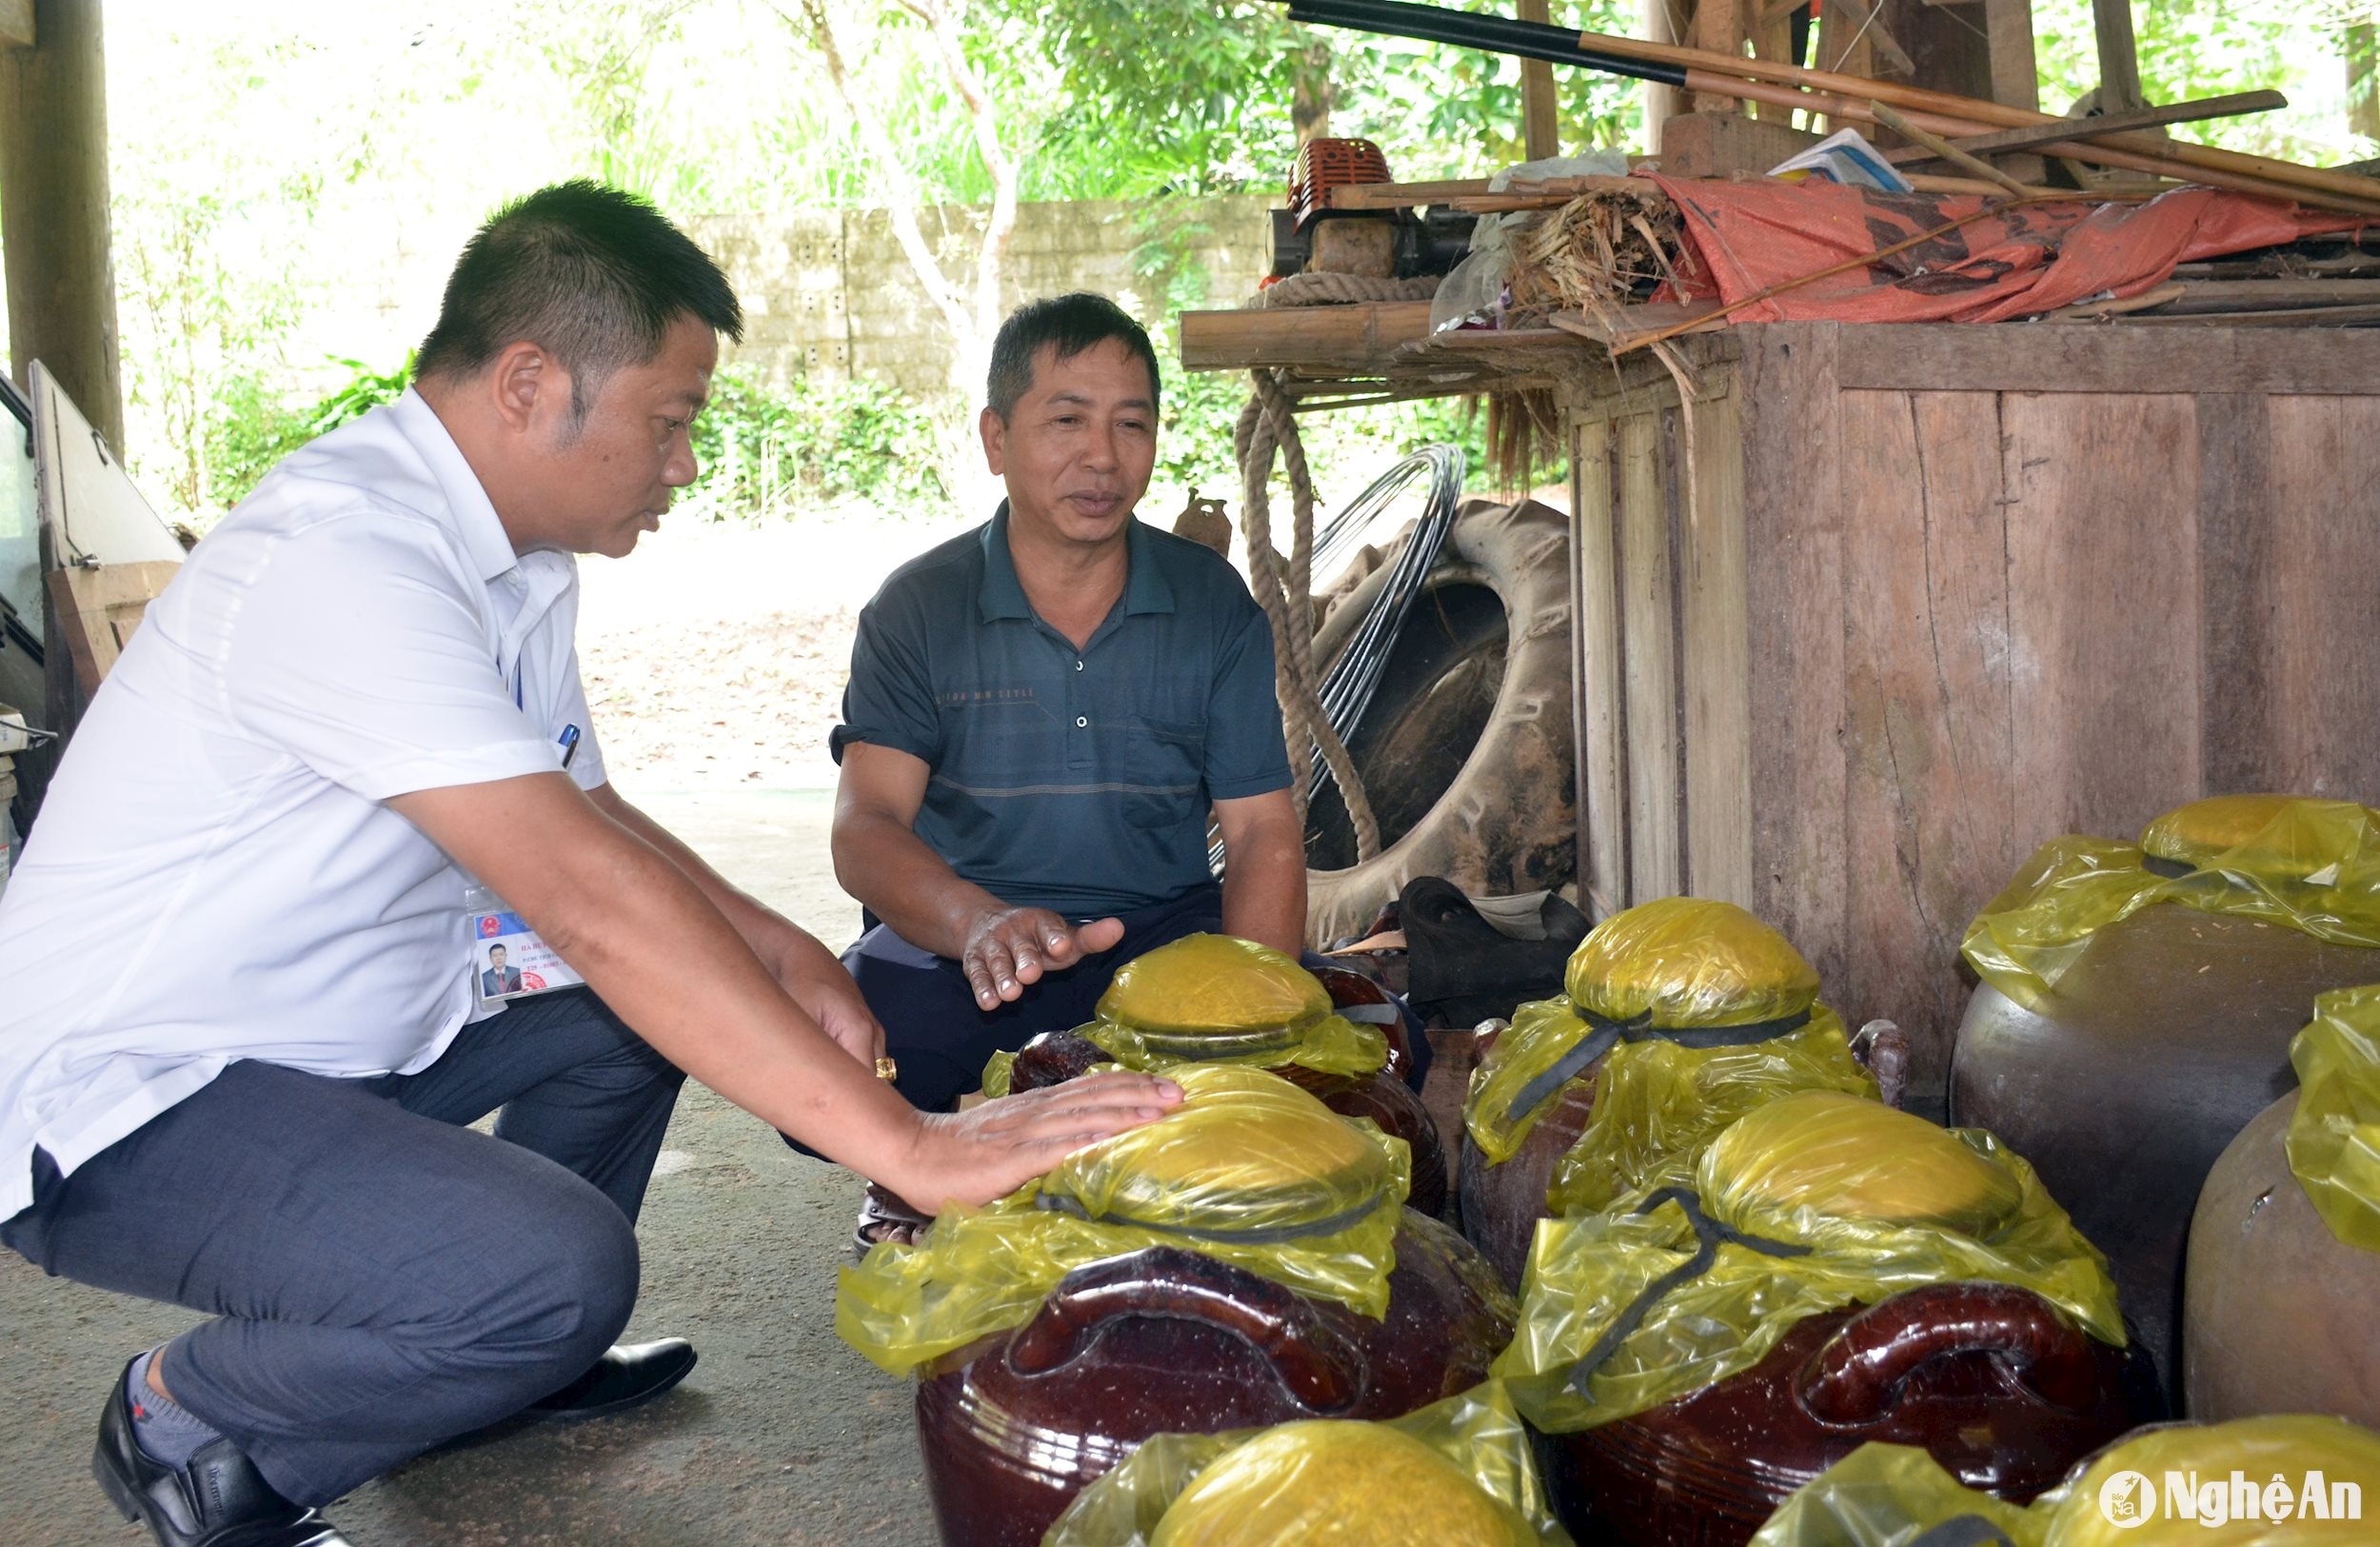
x=715 y=655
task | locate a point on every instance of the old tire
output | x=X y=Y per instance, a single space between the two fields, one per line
x=1466 y=750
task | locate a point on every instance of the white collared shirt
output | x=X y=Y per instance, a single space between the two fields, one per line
x=214 y=876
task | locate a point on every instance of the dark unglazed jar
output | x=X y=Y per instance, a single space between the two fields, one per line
x=1681 y=1015
x=1214 y=998
x=2137 y=1009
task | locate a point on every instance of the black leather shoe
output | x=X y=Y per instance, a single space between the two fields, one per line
x=219 y=1500
x=628 y=1375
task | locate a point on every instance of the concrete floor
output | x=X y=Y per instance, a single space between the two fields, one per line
x=781 y=1435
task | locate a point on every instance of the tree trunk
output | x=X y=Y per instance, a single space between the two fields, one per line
x=53 y=210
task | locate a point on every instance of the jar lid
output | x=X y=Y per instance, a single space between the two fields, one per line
x=1847 y=1157
x=2193 y=834
x=1337 y=1481
x=1215 y=985
x=1247 y=1156
x=1689 y=962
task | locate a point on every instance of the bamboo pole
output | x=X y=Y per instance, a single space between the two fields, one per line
x=1952 y=153
x=2059 y=129
x=1992 y=113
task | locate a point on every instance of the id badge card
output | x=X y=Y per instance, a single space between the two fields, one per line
x=507 y=960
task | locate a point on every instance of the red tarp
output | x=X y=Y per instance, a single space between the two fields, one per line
x=1743 y=237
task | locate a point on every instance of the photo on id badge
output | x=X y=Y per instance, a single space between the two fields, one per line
x=509 y=962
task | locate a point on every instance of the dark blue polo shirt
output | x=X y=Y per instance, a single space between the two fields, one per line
x=1074 y=781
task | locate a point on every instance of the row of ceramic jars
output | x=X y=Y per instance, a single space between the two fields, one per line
x=2157 y=1042
x=1995 y=1382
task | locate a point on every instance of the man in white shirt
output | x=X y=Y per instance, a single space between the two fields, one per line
x=361 y=687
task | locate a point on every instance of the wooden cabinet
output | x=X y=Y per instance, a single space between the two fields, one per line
x=1866 y=613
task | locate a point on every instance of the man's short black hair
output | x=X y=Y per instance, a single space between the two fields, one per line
x=592 y=275
x=493 y=949
x=1068 y=325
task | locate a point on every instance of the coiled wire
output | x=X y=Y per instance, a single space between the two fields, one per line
x=1352 y=680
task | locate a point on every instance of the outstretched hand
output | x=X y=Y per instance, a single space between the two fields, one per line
x=989 y=1151
x=1011 y=947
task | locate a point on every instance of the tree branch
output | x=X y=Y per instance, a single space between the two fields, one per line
x=943 y=21
x=902 y=202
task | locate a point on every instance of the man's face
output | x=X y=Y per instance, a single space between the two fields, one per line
x=496 y=957
x=1078 y=448
x=609 y=479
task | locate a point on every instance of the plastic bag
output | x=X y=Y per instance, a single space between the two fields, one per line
x=1458 y=1470
x=2334 y=1135
x=2181 y=1492
x=1215 y=998
x=1889 y=1495
x=1643 y=987
x=2314 y=866
x=1248 y=1170
x=1813 y=1201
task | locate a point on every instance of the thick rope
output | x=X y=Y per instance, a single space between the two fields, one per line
x=1267 y=427
x=1316 y=287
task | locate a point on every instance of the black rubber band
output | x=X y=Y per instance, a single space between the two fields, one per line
x=1708 y=1236
x=1607 y=1034
x=1962 y=1530
x=1254 y=1236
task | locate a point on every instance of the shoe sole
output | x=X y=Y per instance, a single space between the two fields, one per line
x=118 y=1493
x=626 y=1404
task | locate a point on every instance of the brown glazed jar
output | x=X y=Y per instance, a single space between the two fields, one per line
x=1013 y=1426
x=2278 y=1313
x=2163 y=1040
x=2003 y=1390
x=1384 y=1096
x=1502 y=1204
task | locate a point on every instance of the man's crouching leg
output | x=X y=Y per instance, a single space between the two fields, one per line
x=382 y=1283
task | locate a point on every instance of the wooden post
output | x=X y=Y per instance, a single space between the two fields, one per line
x=53 y=210
x=2363 y=78
x=2119 y=66
x=1662 y=103
x=1540 y=108
x=1718 y=26
x=2016 y=74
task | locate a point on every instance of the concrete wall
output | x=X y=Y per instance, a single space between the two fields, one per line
x=829 y=294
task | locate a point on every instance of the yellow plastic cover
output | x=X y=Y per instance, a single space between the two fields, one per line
x=1248 y=1170
x=1689 y=962
x=1816 y=1201
x=2312 y=866
x=2335 y=1136
x=2284 y=1481
x=1458 y=1470
x=1217 y=999
x=1676 y=965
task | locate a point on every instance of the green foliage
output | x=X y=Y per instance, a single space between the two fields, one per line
x=252 y=427
x=766 y=452
x=2188 y=48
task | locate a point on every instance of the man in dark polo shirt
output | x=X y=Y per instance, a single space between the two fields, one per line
x=1041 y=715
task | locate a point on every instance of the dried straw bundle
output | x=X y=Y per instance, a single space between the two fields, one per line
x=1597 y=252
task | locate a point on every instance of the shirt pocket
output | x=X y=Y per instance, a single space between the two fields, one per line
x=1163 y=767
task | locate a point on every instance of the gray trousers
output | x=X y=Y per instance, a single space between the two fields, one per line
x=383 y=1277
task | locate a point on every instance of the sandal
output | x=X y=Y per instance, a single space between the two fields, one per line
x=885 y=1216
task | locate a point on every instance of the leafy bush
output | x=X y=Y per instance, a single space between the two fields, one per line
x=767 y=452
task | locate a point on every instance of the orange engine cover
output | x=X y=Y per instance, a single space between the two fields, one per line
x=1323 y=165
